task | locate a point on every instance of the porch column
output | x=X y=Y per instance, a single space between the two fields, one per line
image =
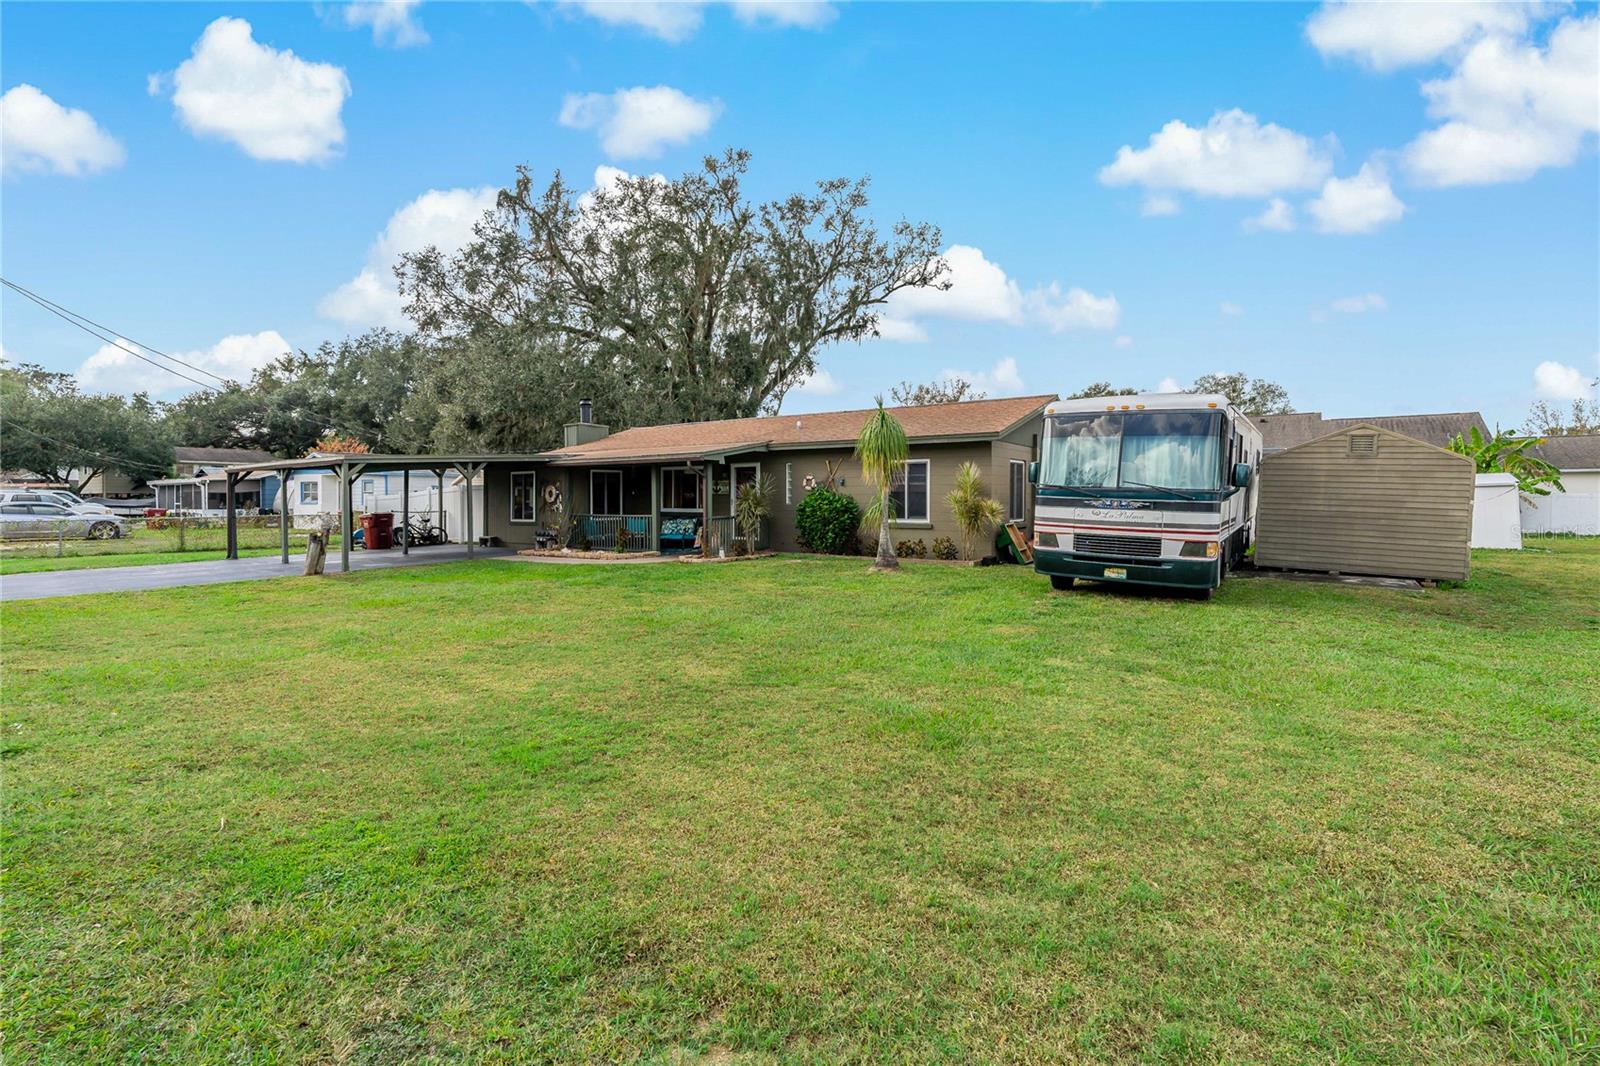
x=283 y=516
x=705 y=527
x=405 y=511
x=466 y=472
x=655 y=507
x=233 y=517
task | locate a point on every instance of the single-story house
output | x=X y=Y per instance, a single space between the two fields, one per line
x=1577 y=510
x=662 y=487
x=314 y=495
x=190 y=462
x=1279 y=432
x=656 y=478
x=207 y=493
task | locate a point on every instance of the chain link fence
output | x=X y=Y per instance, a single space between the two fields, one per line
x=105 y=535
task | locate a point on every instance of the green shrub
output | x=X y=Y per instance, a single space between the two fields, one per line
x=911 y=549
x=826 y=521
x=944 y=548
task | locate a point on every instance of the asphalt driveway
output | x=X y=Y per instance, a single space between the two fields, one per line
x=51 y=583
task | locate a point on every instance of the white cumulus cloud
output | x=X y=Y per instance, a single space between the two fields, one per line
x=819 y=383
x=441 y=218
x=675 y=21
x=1360 y=304
x=1358 y=204
x=1169 y=384
x=1386 y=36
x=271 y=103
x=1234 y=154
x=1558 y=381
x=1159 y=206
x=112 y=368
x=1512 y=108
x=1002 y=379
x=38 y=135
x=1277 y=216
x=641 y=121
x=393 y=22
x=981 y=291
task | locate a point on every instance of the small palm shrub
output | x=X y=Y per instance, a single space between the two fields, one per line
x=826 y=521
x=975 y=513
x=944 y=548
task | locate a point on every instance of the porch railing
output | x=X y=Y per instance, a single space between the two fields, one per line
x=723 y=531
x=602 y=532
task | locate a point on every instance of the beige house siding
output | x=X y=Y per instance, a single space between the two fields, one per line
x=1405 y=511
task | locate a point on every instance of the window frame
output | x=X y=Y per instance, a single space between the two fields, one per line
x=511 y=498
x=607 y=472
x=926 y=518
x=733 y=483
x=788 y=484
x=699 y=490
x=312 y=483
x=1017 y=505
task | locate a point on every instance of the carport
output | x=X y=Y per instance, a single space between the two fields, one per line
x=348 y=468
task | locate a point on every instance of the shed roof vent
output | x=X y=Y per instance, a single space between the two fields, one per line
x=1364 y=445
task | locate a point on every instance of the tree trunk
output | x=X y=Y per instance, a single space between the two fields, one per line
x=887 y=559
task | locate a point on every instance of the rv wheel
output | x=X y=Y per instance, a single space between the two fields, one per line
x=1202 y=594
x=1060 y=584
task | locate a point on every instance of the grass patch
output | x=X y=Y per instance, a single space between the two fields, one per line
x=792 y=810
x=144 y=546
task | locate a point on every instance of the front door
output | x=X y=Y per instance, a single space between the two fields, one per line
x=743 y=474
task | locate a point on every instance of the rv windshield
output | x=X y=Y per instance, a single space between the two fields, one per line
x=1134 y=449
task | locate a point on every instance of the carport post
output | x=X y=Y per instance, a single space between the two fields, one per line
x=283 y=515
x=466 y=492
x=443 y=532
x=655 y=507
x=233 y=519
x=344 y=517
x=405 y=511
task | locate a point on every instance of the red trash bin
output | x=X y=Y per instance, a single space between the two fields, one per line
x=377 y=530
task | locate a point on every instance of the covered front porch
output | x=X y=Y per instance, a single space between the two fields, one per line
x=669 y=506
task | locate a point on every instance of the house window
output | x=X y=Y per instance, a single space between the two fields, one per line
x=788 y=483
x=524 y=496
x=680 y=490
x=1018 y=511
x=310 y=491
x=909 y=497
x=605 y=492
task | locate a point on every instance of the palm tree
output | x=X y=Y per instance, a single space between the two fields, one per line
x=974 y=512
x=1507 y=453
x=750 y=506
x=882 y=449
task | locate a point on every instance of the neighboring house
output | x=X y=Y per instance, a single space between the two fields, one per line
x=198 y=462
x=1286 y=431
x=110 y=484
x=1577 y=510
x=199 y=485
x=654 y=481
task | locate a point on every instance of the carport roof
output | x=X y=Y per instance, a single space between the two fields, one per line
x=378 y=463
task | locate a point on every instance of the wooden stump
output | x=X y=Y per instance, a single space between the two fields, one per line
x=316 y=553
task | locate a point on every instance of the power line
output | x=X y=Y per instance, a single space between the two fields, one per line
x=120 y=461
x=98 y=331
x=63 y=312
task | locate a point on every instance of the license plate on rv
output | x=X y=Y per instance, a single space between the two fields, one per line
x=1116 y=572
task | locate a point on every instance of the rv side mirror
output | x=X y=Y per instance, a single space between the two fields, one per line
x=1033 y=473
x=1241 y=474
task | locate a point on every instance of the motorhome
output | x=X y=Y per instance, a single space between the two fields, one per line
x=1153 y=489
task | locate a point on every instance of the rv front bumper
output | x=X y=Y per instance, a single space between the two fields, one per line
x=1172 y=573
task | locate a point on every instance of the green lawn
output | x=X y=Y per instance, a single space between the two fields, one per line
x=790 y=810
x=144 y=546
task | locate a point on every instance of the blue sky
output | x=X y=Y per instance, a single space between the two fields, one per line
x=1387 y=209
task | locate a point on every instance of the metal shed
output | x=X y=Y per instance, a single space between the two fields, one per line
x=1366 y=500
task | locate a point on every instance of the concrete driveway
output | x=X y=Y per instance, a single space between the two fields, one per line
x=51 y=583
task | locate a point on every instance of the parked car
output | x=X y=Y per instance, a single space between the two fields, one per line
x=70 y=500
x=41 y=521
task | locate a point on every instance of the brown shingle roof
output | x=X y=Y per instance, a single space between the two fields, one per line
x=221 y=455
x=1574 y=451
x=1285 y=431
x=690 y=440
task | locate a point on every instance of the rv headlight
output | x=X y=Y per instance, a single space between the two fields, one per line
x=1044 y=540
x=1199 y=549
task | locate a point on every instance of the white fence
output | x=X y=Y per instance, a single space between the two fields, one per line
x=1570 y=512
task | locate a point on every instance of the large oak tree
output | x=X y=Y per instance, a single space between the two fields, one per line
x=678 y=299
